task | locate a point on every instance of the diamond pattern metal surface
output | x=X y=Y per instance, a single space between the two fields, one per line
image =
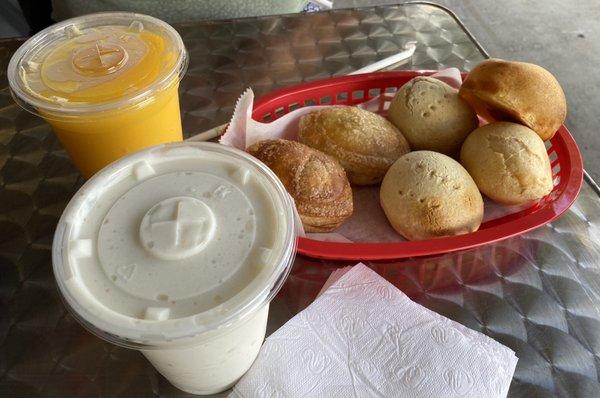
x=267 y=53
x=538 y=293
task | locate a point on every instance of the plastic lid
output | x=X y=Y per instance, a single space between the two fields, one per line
x=96 y=62
x=173 y=241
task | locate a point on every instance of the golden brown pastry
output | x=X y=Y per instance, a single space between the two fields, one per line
x=426 y=195
x=432 y=116
x=316 y=181
x=509 y=163
x=364 y=143
x=516 y=92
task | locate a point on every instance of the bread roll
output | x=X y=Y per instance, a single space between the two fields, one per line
x=432 y=116
x=364 y=143
x=516 y=92
x=316 y=181
x=427 y=195
x=509 y=163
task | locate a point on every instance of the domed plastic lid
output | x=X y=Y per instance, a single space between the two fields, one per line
x=173 y=241
x=96 y=62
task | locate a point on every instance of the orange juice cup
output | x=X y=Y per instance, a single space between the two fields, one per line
x=107 y=83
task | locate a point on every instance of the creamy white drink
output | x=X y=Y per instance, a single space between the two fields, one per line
x=177 y=251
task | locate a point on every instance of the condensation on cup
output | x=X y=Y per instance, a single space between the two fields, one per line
x=177 y=251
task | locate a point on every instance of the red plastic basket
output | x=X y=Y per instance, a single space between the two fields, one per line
x=565 y=158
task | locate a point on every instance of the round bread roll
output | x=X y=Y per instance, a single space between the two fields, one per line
x=427 y=195
x=432 y=116
x=516 y=92
x=509 y=163
x=316 y=182
x=364 y=143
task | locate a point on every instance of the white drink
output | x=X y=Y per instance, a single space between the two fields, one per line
x=177 y=251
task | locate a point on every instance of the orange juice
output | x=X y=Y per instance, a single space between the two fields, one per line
x=107 y=84
x=121 y=132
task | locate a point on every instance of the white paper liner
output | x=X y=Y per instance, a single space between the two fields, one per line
x=368 y=223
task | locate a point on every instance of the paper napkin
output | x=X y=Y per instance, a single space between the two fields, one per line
x=362 y=337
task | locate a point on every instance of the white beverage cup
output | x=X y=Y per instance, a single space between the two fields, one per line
x=177 y=251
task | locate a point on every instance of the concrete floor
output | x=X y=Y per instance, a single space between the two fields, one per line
x=560 y=35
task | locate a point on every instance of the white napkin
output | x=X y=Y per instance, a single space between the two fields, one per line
x=363 y=337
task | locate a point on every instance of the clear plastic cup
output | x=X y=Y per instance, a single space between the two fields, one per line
x=107 y=83
x=177 y=251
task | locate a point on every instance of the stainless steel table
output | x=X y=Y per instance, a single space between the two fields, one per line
x=538 y=293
